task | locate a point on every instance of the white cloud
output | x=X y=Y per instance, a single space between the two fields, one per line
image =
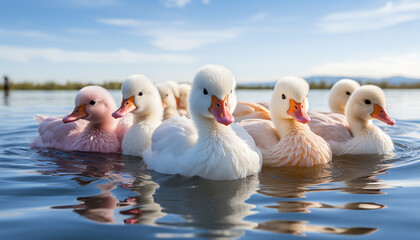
x=28 y=34
x=120 y=22
x=206 y=1
x=403 y=65
x=56 y=55
x=81 y=31
x=94 y=3
x=176 y=3
x=390 y=14
x=184 y=40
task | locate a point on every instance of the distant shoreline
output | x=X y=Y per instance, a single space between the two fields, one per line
x=117 y=85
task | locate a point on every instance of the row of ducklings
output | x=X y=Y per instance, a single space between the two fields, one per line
x=210 y=144
x=288 y=134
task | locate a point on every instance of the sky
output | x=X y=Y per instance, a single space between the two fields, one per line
x=107 y=40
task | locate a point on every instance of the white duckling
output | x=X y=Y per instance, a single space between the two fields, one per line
x=322 y=122
x=142 y=100
x=361 y=136
x=175 y=89
x=184 y=96
x=208 y=145
x=340 y=93
x=286 y=140
x=168 y=100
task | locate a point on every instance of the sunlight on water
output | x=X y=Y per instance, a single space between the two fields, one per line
x=50 y=193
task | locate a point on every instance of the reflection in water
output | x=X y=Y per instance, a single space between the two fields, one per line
x=90 y=168
x=358 y=173
x=301 y=227
x=218 y=206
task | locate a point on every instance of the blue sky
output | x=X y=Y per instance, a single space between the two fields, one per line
x=107 y=40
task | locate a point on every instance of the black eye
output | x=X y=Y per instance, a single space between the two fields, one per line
x=166 y=95
x=367 y=101
x=205 y=91
x=348 y=93
x=140 y=94
x=231 y=91
x=92 y=102
x=283 y=96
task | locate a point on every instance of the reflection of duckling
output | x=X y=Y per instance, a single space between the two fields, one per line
x=301 y=227
x=99 y=208
x=215 y=205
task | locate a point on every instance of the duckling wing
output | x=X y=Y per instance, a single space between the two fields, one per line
x=174 y=136
x=248 y=110
x=56 y=134
x=330 y=126
x=262 y=131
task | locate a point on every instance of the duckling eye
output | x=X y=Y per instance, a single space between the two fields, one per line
x=348 y=93
x=140 y=93
x=205 y=91
x=367 y=101
x=92 y=102
x=231 y=91
x=283 y=96
x=166 y=95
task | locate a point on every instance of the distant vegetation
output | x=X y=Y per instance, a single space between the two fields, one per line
x=57 y=86
x=324 y=85
x=117 y=85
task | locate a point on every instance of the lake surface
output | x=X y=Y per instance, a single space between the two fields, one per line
x=51 y=194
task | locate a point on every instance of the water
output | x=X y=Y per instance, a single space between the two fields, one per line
x=51 y=194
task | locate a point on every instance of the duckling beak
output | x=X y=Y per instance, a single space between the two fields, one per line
x=163 y=103
x=220 y=111
x=78 y=113
x=298 y=111
x=127 y=106
x=178 y=102
x=380 y=114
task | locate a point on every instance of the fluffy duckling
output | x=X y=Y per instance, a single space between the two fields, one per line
x=340 y=93
x=208 y=145
x=89 y=127
x=184 y=96
x=142 y=100
x=354 y=133
x=286 y=140
x=168 y=100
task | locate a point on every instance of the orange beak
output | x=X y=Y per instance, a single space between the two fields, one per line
x=127 y=106
x=178 y=102
x=163 y=103
x=380 y=114
x=220 y=110
x=297 y=111
x=78 y=113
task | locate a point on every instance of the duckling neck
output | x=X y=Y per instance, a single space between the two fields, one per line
x=155 y=117
x=358 y=126
x=210 y=128
x=283 y=126
x=107 y=123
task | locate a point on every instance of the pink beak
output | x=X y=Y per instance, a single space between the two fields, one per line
x=220 y=110
x=297 y=111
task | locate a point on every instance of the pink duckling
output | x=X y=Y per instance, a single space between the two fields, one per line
x=90 y=127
